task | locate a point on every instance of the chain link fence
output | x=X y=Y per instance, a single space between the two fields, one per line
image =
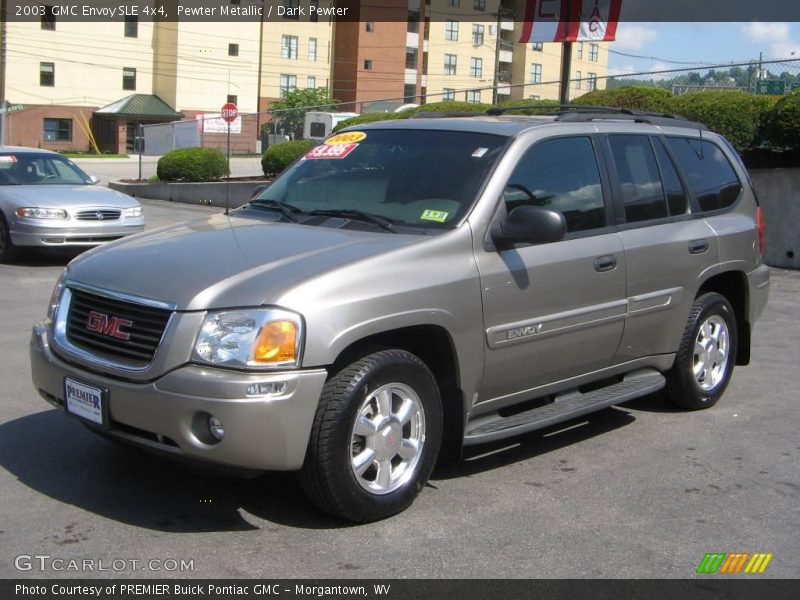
x=251 y=134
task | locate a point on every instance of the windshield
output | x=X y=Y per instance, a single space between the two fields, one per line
x=39 y=169
x=418 y=178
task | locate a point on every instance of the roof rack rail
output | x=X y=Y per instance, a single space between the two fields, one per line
x=576 y=113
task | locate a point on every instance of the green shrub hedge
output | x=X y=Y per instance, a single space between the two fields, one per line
x=279 y=156
x=735 y=114
x=782 y=125
x=448 y=106
x=369 y=118
x=192 y=164
x=634 y=97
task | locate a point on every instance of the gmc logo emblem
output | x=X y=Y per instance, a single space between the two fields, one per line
x=105 y=325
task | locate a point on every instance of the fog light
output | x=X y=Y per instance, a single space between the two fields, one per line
x=271 y=388
x=215 y=428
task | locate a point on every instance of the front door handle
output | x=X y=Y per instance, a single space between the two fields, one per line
x=698 y=246
x=607 y=262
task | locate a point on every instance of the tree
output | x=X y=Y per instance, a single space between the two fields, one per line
x=288 y=113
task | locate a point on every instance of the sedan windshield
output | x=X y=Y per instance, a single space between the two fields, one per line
x=408 y=178
x=39 y=169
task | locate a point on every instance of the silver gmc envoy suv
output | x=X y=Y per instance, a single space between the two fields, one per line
x=413 y=285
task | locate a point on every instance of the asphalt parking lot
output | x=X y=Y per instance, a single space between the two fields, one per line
x=635 y=491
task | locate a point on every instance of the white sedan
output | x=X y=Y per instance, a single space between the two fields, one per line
x=48 y=201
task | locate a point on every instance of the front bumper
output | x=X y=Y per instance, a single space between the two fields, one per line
x=265 y=433
x=28 y=232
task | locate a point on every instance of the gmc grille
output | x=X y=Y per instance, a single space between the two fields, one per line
x=146 y=329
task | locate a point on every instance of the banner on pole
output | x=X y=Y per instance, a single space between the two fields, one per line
x=570 y=21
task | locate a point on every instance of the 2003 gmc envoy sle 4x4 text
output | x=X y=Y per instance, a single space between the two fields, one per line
x=413 y=282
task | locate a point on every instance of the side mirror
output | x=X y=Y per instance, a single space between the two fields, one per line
x=529 y=225
x=94 y=180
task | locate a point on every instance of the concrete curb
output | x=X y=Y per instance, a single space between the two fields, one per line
x=234 y=193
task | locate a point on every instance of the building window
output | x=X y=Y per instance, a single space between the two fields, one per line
x=313 y=15
x=591 y=85
x=534 y=97
x=474 y=96
x=448 y=94
x=577 y=80
x=411 y=58
x=233 y=49
x=128 y=78
x=131 y=27
x=450 y=64
x=451 y=31
x=537 y=46
x=58 y=130
x=288 y=84
x=289 y=46
x=475 y=67
x=368 y=65
x=453 y=2
x=370 y=26
x=536 y=73
x=593 y=51
x=311 y=82
x=232 y=99
x=47 y=74
x=413 y=21
x=48 y=19
x=479 y=4
x=477 y=34
x=409 y=92
x=312 y=49
x=292 y=11
x=580 y=50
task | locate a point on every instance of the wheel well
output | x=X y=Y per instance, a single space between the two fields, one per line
x=733 y=285
x=433 y=345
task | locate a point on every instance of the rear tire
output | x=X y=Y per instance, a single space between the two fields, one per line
x=375 y=438
x=705 y=360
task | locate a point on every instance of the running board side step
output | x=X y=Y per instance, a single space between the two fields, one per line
x=563 y=408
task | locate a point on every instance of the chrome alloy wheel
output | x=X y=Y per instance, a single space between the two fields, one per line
x=711 y=353
x=387 y=439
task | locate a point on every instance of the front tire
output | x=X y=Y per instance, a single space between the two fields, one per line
x=375 y=438
x=705 y=360
x=7 y=249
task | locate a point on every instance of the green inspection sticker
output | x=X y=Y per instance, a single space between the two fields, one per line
x=439 y=216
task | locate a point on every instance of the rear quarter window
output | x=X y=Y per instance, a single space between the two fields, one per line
x=710 y=174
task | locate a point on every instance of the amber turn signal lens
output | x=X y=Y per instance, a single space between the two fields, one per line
x=277 y=343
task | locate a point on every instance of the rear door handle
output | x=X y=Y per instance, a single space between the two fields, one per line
x=607 y=262
x=698 y=246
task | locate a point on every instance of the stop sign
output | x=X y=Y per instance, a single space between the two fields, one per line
x=229 y=112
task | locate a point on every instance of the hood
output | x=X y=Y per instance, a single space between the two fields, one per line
x=65 y=196
x=226 y=261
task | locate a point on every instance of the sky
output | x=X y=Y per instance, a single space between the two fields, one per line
x=669 y=45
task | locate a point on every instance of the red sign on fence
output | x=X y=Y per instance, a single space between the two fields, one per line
x=229 y=112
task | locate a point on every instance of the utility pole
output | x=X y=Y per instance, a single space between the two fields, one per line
x=566 y=59
x=3 y=61
x=497 y=54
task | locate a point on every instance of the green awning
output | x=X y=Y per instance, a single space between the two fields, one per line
x=140 y=106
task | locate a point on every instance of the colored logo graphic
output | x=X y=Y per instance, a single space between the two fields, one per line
x=734 y=562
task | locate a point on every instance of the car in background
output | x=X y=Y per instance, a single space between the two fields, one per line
x=47 y=201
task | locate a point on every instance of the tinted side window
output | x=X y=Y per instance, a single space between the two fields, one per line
x=560 y=174
x=676 y=196
x=639 y=180
x=711 y=176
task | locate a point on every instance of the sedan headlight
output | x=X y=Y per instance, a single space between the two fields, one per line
x=133 y=212
x=55 y=297
x=42 y=213
x=250 y=338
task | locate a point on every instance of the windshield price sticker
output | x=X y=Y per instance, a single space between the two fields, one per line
x=350 y=137
x=326 y=151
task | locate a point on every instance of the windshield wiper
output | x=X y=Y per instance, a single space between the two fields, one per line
x=384 y=223
x=287 y=210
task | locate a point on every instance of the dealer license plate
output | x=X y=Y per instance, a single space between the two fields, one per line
x=85 y=401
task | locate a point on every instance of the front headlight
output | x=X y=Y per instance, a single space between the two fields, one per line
x=250 y=338
x=42 y=213
x=55 y=297
x=132 y=213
